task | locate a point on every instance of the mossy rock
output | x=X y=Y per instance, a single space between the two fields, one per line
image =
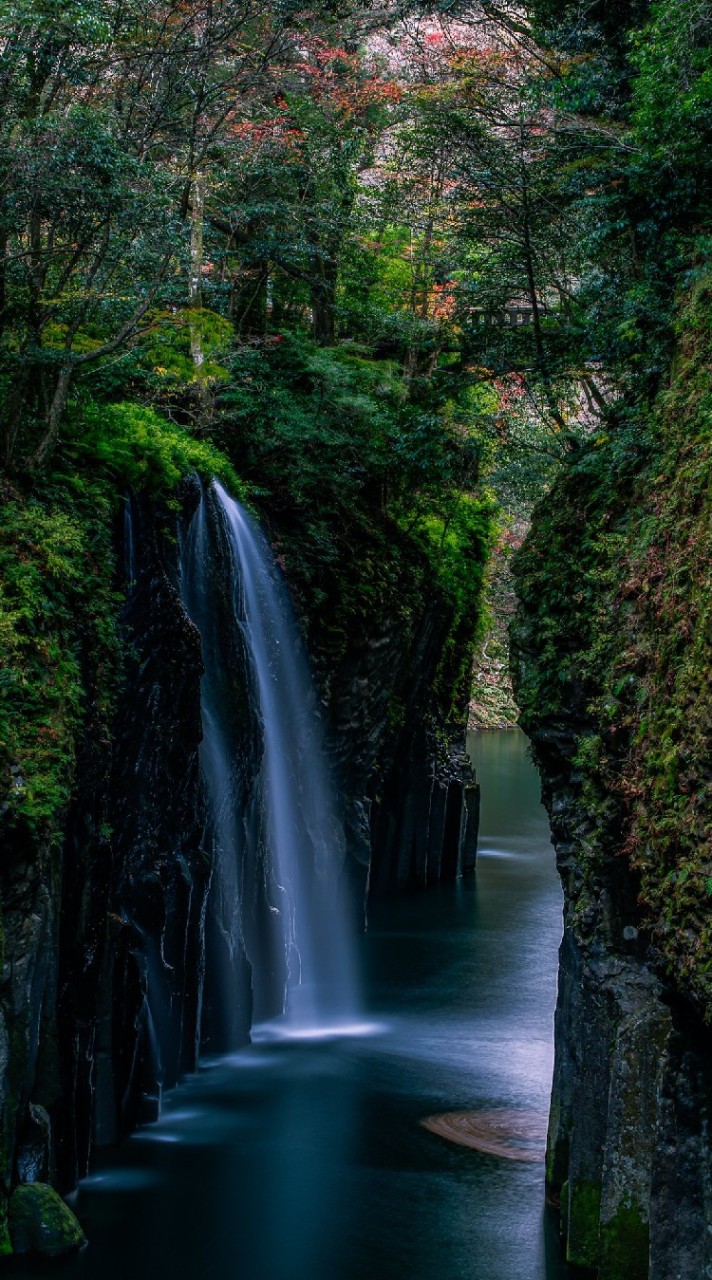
x=625 y=1246
x=584 y=1212
x=40 y=1222
x=5 y=1243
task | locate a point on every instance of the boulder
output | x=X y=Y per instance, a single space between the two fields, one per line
x=40 y=1222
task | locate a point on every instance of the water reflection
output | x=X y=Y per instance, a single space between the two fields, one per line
x=306 y=1160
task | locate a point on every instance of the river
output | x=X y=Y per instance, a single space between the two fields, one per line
x=305 y=1160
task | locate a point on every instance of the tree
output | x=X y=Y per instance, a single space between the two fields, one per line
x=108 y=122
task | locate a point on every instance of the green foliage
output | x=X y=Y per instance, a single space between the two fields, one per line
x=673 y=90
x=58 y=614
x=457 y=545
x=333 y=432
x=626 y=538
x=371 y=489
x=613 y=640
x=136 y=447
x=165 y=348
x=635 y=173
x=60 y=652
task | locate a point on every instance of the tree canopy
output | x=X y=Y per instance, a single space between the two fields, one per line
x=482 y=217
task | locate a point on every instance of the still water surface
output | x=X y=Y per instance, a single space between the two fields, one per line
x=306 y=1161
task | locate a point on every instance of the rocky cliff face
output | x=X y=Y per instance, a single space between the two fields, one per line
x=629 y=1154
x=612 y=656
x=103 y=931
x=412 y=804
x=134 y=872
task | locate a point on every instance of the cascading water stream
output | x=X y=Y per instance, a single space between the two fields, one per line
x=129 y=550
x=278 y=896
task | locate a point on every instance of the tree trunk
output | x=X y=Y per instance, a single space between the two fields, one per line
x=3 y=280
x=323 y=294
x=54 y=417
x=195 y=284
x=541 y=359
x=248 y=305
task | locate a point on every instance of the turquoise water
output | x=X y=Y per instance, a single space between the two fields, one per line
x=305 y=1160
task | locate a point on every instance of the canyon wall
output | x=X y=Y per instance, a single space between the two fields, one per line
x=612 y=656
x=108 y=989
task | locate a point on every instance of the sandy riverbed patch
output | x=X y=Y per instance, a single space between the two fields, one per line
x=513 y=1135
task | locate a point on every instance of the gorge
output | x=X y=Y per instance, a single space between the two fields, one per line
x=347 y=355
x=182 y=930
x=304 y=1156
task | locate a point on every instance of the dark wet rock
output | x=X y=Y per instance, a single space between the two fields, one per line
x=34 y=1155
x=412 y=803
x=90 y=925
x=424 y=824
x=28 y=993
x=681 y=1183
x=628 y=1147
x=135 y=871
x=40 y=1222
x=612 y=1028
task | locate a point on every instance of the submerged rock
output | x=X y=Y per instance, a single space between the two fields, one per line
x=510 y=1134
x=40 y=1222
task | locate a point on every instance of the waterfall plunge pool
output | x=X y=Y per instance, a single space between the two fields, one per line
x=307 y=1159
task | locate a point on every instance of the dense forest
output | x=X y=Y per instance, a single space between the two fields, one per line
x=407 y=281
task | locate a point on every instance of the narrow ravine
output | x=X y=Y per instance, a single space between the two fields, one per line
x=307 y=1160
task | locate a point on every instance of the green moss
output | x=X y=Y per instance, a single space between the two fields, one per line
x=493 y=705
x=5 y=1242
x=457 y=548
x=138 y=448
x=582 y=1234
x=458 y=545
x=625 y=1246
x=40 y=1222
x=59 y=644
x=615 y=647
x=58 y=613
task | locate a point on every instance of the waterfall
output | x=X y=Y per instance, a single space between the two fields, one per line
x=129 y=550
x=280 y=918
